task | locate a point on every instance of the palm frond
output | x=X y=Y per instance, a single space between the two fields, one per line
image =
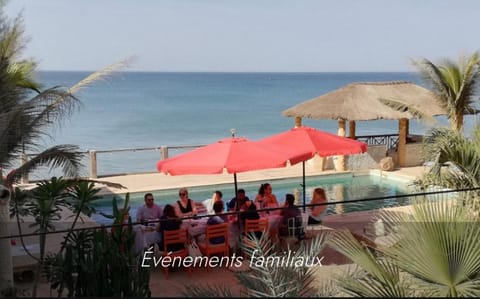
x=440 y=248
x=271 y=274
x=469 y=81
x=432 y=75
x=375 y=277
x=76 y=180
x=51 y=105
x=99 y=75
x=399 y=106
x=208 y=291
x=66 y=157
x=22 y=73
x=461 y=154
x=454 y=84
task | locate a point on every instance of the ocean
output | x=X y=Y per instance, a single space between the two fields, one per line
x=148 y=109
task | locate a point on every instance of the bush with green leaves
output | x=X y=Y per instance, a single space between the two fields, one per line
x=100 y=262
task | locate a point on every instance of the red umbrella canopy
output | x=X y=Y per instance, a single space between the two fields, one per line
x=235 y=154
x=315 y=141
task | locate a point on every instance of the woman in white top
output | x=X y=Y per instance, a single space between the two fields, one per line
x=316 y=213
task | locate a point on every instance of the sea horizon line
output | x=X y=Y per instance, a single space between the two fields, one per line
x=236 y=72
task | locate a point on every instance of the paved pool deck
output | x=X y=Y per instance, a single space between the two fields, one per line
x=157 y=181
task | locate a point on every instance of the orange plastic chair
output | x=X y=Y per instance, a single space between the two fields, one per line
x=215 y=231
x=173 y=238
x=254 y=226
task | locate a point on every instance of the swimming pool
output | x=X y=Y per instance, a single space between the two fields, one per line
x=339 y=187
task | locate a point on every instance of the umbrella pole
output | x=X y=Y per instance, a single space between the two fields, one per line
x=237 y=208
x=236 y=197
x=303 y=184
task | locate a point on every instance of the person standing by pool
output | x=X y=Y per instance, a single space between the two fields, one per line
x=185 y=206
x=149 y=211
x=316 y=213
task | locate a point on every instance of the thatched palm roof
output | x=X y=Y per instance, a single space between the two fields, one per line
x=365 y=101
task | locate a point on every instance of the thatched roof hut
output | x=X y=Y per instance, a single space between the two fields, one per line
x=368 y=101
x=363 y=101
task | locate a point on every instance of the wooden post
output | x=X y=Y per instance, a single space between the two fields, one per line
x=402 y=141
x=351 y=126
x=340 y=165
x=163 y=152
x=338 y=190
x=93 y=164
x=298 y=121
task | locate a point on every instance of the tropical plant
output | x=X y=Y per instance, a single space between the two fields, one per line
x=456 y=161
x=100 y=263
x=49 y=197
x=270 y=275
x=443 y=146
x=434 y=252
x=454 y=85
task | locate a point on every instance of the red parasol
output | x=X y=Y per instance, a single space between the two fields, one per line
x=231 y=155
x=307 y=139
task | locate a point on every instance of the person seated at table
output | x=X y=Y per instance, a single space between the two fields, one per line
x=185 y=206
x=259 y=200
x=215 y=219
x=149 y=211
x=271 y=199
x=216 y=197
x=218 y=209
x=316 y=213
x=169 y=221
x=249 y=212
x=266 y=199
x=289 y=211
x=237 y=202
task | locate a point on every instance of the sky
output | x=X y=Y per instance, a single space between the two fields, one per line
x=247 y=35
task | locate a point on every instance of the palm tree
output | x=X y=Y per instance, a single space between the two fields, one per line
x=435 y=252
x=454 y=84
x=26 y=114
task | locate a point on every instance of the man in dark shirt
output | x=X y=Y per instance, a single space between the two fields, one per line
x=241 y=200
x=291 y=211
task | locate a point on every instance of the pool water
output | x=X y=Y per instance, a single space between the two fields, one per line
x=339 y=187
